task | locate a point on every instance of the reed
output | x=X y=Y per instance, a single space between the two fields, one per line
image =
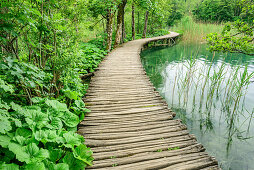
x=210 y=84
x=194 y=32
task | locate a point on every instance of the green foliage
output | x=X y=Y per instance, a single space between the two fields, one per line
x=160 y=32
x=176 y=13
x=41 y=133
x=90 y=57
x=215 y=10
x=236 y=37
x=40 y=87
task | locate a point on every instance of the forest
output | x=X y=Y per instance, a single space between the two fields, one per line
x=50 y=49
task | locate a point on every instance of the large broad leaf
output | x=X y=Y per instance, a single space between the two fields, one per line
x=79 y=103
x=23 y=132
x=5 y=124
x=36 y=154
x=37 y=119
x=73 y=163
x=71 y=94
x=19 y=151
x=29 y=154
x=56 y=123
x=20 y=139
x=70 y=119
x=72 y=139
x=9 y=167
x=4 y=140
x=6 y=87
x=55 y=154
x=84 y=154
x=48 y=136
x=17 y=107
x=35 y=166
x=57 y=105
x=61 y=166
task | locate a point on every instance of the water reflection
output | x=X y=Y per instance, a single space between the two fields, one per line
x=212 y=94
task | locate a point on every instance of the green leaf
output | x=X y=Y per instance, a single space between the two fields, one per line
x=20 y=139
x=73 y=95
x=36 y=154
x=5 y=124
x=57 y=105
x=37 y=119
x=61 y=166
x=4 y=105
x=55 y=154
x=16 y=107
x=56 y=123
x=9 y=167
x=84 y=154
x=35 y=166
x=79 y=103
x=70 y=119
x=19 y=151
x=72 y=139
x=38 y=100
x=47 y=136
x=29 y=154
x=6 y=87
x=17 y=122
x=23 y=132
x=73 y=163
x=4 y=140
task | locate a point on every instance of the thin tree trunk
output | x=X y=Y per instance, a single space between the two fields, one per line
x=145 y=27
x=123 y=31
x=110 y=18
x=123 y=27
x=119 y=29
x=138 y=24
x=133 y=22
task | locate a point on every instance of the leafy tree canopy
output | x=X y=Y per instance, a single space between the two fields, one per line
x=236 y=37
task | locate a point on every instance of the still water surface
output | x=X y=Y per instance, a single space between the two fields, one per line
x=214 y=96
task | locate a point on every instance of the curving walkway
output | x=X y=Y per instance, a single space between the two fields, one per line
x=130 y=125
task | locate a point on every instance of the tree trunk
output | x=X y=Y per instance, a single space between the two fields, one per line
x=119 y=29
x=110 y=17
x=133 y=22
x=145 y=27
x=123 y=31
x=138 y=24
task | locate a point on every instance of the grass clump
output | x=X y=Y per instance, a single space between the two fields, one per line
x=194 y=32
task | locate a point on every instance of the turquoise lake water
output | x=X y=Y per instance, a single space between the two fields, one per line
x=213 y=94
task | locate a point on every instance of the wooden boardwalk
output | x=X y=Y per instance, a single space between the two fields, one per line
x=130 y=125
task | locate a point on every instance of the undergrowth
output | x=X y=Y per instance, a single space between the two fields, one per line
x=41 y=108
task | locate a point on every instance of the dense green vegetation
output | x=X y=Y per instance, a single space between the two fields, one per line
x=195 y=31
x=47 y=46
x=236 y=37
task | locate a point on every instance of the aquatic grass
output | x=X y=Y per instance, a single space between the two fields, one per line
x=241 y=84
x=210 y=84
x=190 y=66
x=215 y=80
x=194 y=32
